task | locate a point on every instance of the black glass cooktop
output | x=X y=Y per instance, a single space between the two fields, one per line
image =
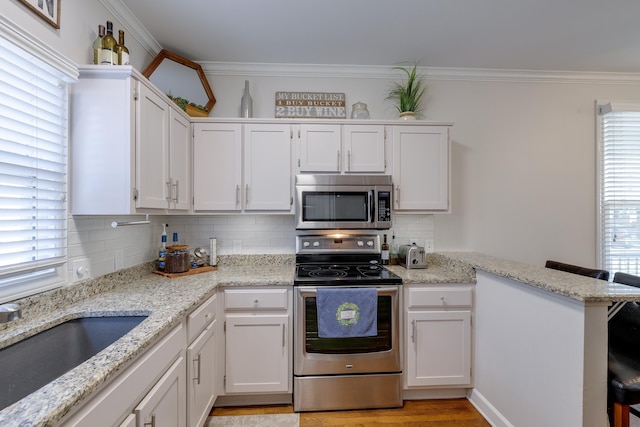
x=343 y=274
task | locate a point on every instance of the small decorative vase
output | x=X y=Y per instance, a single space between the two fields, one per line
x=407 y=115
x=359 y=111
x=246 y=105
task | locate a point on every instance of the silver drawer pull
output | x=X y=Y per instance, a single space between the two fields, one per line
x=153 y=421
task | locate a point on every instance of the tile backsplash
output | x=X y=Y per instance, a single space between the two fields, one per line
x=109 y=249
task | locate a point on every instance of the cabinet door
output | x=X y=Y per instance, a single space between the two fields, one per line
x=438 y=348
x=421 y=168
x=217 y=167
x=257 y=354
x=179 y=161
x=267 y=168
x=152 y=149
x=320 y=148
x=201 y=369
x=165 y=404
x=364 y=149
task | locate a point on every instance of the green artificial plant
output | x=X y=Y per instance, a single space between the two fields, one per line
x=408 y=94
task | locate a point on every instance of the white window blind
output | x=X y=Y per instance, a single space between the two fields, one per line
x=619 y=156
x=33 y=171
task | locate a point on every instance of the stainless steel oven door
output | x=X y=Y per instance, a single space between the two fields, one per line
x=321 y=356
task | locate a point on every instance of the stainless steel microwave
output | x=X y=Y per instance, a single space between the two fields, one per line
x=335 y=202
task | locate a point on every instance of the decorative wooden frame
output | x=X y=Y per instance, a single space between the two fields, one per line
x=165 y=54
x=48 y=10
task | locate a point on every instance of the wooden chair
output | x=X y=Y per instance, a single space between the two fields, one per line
x=583 y=271
x=624 y=358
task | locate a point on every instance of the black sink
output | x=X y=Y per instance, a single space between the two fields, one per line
x=36 y=361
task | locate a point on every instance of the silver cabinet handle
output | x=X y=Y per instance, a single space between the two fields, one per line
x=349 y=160
x=397 y=196
x=237 y=195
x=169 y=190
x=198 y=360
x=246 y=196
x=413 y=331
x=177 y=187
x=283 y=336
x=338 y=168
x=153 y=421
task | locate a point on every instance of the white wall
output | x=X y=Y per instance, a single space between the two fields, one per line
x=523 y=152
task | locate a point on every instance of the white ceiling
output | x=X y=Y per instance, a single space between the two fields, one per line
x=552 y=35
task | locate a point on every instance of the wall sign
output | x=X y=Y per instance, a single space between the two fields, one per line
x=49 y=10
x=316 y=105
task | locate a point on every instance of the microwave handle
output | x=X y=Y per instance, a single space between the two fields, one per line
x=371 y=206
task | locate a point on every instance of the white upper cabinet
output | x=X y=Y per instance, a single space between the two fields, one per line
x=421 y=168
x=217 y=167
x=242 y=167
x=268 y=181
x=320 y=148
x=325 y=148
x=364 y=149
x=130 y=146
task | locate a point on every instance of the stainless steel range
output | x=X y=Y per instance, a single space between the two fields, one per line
x=346 y=325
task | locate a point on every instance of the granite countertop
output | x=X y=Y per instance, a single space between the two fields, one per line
x=132 y=292
x=576 y=287
x=166 y=302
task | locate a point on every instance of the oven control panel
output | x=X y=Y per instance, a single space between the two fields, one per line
x=338 y=243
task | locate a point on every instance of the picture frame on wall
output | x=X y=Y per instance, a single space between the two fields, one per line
x=48 y=10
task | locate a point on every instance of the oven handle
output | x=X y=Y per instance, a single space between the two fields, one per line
x=383 y=289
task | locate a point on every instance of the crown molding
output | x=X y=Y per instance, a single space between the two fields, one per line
x=430 y=73
x=133 y=26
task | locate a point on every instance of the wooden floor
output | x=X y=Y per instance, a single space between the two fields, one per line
x=417 y=413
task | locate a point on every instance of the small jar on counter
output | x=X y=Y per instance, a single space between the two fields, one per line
x=176 y=259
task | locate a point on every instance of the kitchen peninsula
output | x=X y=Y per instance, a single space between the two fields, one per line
x=539 y=347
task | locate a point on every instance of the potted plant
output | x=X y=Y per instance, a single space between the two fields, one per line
x=408 y=94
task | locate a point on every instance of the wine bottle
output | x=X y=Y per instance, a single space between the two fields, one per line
x=123 y=52
x=97 y=45
x=109 y=47
x=393 y=254
x=384 y=254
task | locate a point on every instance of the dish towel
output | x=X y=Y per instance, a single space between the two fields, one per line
x=347 y=312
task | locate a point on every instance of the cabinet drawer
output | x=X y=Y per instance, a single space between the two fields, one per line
x=201 y=317
x=258 y=299
x=439 y=297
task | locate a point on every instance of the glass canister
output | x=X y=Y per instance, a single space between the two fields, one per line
x=176 y=259
x=359 y=111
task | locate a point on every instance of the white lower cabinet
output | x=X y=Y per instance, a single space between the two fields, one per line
x=438 y=335
x=171 y=385
x=201 y=363
x=165 y=404
x=258 y=341
x=154 y=384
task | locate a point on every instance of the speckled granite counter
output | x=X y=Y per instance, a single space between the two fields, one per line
x=131 y=292
x=570 y=285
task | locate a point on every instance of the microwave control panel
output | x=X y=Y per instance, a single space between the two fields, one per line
x=384 y=206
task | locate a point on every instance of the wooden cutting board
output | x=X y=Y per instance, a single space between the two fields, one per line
x=190 y=272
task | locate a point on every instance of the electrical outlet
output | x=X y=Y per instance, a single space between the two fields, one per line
x=119 y=260
x=81 y=270
x=428 y=246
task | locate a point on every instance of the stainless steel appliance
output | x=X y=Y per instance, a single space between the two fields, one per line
x=412 y=256
x=345 y=202
x=345 y=372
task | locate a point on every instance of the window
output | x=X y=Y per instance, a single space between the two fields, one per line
x=619 y=186
x=33 y=172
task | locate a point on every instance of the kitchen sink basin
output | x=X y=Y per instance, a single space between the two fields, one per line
x=36 y=361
